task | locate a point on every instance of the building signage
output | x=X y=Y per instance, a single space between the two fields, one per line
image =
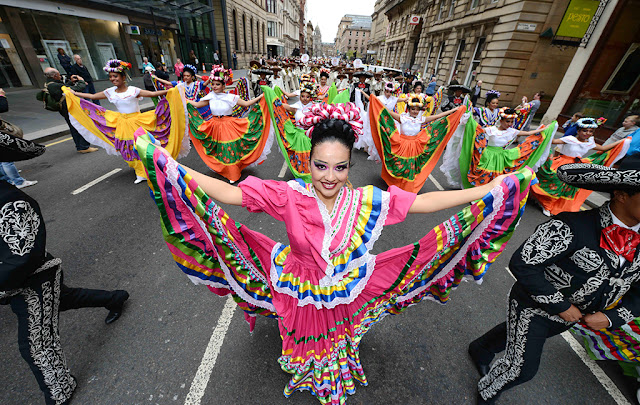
x=414 y=20
x=526 y=27
x=133 y=29
x=577 y=18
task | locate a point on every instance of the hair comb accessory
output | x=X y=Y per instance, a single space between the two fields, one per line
x=321 y=112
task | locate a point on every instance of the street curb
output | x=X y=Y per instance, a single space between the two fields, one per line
x=63 y=132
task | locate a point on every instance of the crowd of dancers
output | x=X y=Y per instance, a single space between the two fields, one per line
x=326 y=288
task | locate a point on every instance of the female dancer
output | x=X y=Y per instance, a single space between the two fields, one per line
x=476 y=155
x=409 y=153
x=489 y=114
x=114 y=130
x=323 y=88
x=556 y=196
x=227 y=144
x=326 y=289
x=194 y=87
x=308 y=91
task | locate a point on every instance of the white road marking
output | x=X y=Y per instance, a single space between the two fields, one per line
x=94 y=182
x=600 y=375
x=435 y=182
x=200 y=381
x=283 y=170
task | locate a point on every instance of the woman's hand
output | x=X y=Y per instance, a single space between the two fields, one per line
x=498 y=180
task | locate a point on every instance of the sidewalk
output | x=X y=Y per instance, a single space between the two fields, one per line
x=41 y=125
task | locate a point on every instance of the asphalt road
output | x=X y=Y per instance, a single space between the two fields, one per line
x=109 y=237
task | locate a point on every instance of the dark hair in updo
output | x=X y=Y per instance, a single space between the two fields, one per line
x=333 y=130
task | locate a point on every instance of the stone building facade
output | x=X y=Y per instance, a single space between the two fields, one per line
x=247 y=29
x=290 y=26
x=379 y=26
x=504 y=43
x=353 y=35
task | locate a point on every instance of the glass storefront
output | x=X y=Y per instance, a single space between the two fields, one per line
x=12 y=71
x=96 y=41
x=146 y=44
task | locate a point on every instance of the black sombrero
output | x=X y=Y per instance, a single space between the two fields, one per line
x=602 y=178
x=366 y=74
x=13 y=149
x=262 y=70
x=455 y=87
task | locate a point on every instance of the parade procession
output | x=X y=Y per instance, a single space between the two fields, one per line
x=210 y=180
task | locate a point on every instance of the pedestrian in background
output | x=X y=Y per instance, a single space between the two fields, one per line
x=145 y=64
x=8 y=170
x=178 y=68
x=54 y=87
x=475 y=92
x=216 y=58
x=81 y=70
x=535 y=104
x=629 y=126
x=65 y=61
x=235 y=60
x=193 y=59
x=430 y=90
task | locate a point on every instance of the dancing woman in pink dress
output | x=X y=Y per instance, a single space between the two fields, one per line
x=326 y=288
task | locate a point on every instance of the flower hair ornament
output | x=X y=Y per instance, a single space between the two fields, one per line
x=322 y=111
x=219 y=73
x=415 y=100
x=391 y=86
x=117 y=66
x=325 y=72
x=584 y=123
x=191 y=68
x=309 y=87
x=507 y=113
x=492 y=94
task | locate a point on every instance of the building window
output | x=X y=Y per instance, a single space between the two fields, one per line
x=235 y=30
x=441 y=9
x=474 y=4
x=271 y=6
x=357 y=33
x=472 y=73
x=458 y=60
x=244 y=31
x=439 y=59
x=626 y=74
x=251 y=32
x=349 y=42
x=452 y=7
x=271 y=29
x=428 y=62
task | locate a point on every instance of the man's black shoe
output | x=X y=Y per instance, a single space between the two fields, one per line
x=475 y=352
x=116 y=310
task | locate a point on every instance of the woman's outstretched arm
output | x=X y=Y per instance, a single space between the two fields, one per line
x=441 y=200
x=219 y=190
x=89 y=96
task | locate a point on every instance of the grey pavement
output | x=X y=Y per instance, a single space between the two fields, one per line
x=110 y=237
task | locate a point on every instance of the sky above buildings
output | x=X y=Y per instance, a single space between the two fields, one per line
x=327 y=14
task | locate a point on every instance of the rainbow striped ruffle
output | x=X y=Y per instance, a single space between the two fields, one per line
x=321 y=345
x=621 y=344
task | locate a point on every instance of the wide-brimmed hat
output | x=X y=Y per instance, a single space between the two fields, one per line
x=275 y=68
x=253 y=63
x=267 y=72
x=341 y=75
x=603 y=178
x=455 y=87
x=14 y=149
x=366 y=74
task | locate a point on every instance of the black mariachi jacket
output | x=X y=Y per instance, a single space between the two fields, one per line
x=365 y=87
x=22 y=237
x=257 y=90
x=562 y=263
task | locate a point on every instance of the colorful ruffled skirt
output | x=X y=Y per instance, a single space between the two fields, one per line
x=114 y=131
x=227 y=144
x=557 y=196
x=470 y=162
x=320 y=346
x=407 y=161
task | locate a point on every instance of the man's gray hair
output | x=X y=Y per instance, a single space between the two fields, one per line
x=50 y=73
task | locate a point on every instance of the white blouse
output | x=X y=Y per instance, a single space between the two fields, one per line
x=301 y=109
x=221 y=103
x=573 y=147
x=390 y=102
x=411 y=126
x=126 y=102
x=496 y=137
